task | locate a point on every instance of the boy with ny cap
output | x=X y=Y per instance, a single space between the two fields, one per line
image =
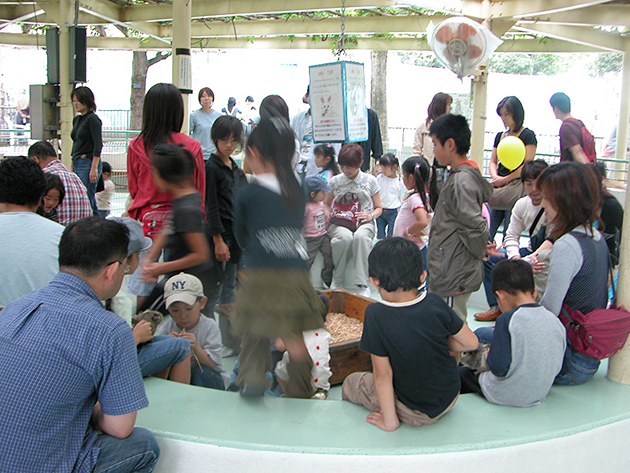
x=184 y=299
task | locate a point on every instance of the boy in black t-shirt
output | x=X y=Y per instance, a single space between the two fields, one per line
x=410 y=338
x=183 y=239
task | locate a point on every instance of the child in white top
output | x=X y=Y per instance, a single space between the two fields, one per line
x=392 y=193
x=104 y=198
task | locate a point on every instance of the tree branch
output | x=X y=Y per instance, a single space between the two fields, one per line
x=160 y=56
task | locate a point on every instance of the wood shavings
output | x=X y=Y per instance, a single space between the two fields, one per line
x=343 y=328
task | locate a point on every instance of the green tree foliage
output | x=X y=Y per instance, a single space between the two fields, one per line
x=528 y=64
x=605 y=62
x=419 y=59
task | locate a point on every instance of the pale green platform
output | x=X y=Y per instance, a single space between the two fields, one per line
x=333 y=426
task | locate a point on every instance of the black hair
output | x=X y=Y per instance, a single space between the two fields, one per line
x=274 y=106
x=562 y=101
x=42 y=149
x=328 y=152
x=107 y=167
x=512 y=276
x=54 y=182
x=90 y=244
x=226 y=126
x=231 y=104
x=207 y=91
x=249 y=98
x=275 y=142
x=514 y=106
x=452 y=126
x=396 y=263
x=22 y=181
x=389 y=159
x=173 y=163
x=438 y=105
x=532 y=169
x=162 y=115
x=85 y=96
x=420 y=169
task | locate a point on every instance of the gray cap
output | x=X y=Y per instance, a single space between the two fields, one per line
x=137 y=241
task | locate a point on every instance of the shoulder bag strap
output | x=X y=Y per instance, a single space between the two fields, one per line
x=536 y=220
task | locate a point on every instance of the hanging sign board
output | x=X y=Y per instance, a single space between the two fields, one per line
x=337 y=93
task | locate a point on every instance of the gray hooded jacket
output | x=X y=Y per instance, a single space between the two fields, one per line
x=459 y=233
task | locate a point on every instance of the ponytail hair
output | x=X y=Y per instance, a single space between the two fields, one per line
x=328 y=152
x=275 y=142
x=420 y=169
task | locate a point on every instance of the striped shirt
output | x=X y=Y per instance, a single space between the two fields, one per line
x=60 y=352
x=76 y=204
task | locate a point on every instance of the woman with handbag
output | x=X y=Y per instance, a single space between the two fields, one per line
x=87 y=142
x=354 y=205
x=507 y=184
x=578 y=272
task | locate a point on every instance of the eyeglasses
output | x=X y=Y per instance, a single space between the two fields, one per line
x=126 y=266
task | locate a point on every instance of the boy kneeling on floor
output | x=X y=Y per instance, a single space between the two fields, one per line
x=409 y=338
x=527 y=344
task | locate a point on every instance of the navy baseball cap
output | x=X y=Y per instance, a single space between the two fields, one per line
x=315 y=184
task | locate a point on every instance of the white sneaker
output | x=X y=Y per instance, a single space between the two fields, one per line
x=227 y=352
x=364 y=291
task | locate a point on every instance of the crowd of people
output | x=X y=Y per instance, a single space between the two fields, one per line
x=198 y=232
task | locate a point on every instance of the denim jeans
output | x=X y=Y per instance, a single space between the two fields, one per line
x=208 y=378
x=485 y=334
x=223 y=293
x=425 y=264
x=488 y=265
x=576 y=367
x=496 y=217
x=386 y=220
x=163 y=352
x=137 y=453
x=82 y=169
x=104 y=213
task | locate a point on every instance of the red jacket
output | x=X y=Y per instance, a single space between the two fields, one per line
x=141 y=186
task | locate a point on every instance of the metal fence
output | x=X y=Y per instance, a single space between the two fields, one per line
x=14 y=141
x=401 y=143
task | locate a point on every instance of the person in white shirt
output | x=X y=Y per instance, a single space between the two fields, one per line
x=392 y=193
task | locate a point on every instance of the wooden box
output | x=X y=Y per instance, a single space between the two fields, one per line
x=345 y=357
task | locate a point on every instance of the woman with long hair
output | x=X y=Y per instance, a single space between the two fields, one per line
x=578 y=271
x=162 y=120
x=423 y=145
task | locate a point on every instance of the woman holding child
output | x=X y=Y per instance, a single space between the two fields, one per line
x=353 y=184
x=578 y=272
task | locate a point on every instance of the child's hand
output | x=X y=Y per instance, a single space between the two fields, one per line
x=174 y=334
x=537 y=266
x=221 y=251
x=142 y=332
x=190 y=337
x=378 y=419
x=493 y=250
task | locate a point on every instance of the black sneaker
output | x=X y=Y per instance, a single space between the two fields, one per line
x=252 y=391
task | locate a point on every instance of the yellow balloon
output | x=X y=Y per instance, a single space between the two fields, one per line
x=511 y=152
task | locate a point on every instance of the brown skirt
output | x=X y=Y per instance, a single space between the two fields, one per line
x=276 y=303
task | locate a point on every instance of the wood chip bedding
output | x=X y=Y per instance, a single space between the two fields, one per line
x=343 y=328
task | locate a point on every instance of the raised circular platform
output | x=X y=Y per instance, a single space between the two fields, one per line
x=576 y=429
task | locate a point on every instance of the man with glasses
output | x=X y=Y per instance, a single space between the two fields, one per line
x=29 y=242
x=70 y=383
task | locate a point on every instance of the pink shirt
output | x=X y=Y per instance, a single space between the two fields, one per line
x=314 y=220
x=406 y=217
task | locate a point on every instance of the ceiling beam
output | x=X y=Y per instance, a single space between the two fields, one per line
x=378 y=44
x=529 y=8
x=22 y=19
x=217 y=8
x=146 y=28
x=586 y=36
x=611 y=15
x=300 y=26
x=470 y=8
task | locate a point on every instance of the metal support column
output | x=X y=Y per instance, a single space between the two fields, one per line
x=182 y=13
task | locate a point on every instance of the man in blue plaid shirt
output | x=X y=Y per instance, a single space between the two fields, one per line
x=70 y=383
